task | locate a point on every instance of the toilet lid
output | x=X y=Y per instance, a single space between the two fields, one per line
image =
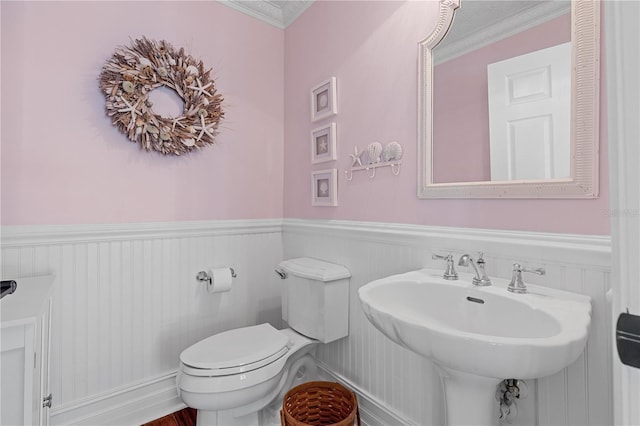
x=236 y=348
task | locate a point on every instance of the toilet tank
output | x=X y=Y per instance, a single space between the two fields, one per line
x=315 y=298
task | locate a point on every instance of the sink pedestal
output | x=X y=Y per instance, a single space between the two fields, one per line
x=470 y=399
x=461 y=327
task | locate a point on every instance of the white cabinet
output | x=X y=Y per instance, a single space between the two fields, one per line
x=24 y=352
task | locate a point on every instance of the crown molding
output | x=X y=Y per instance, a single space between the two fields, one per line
x=280 y=14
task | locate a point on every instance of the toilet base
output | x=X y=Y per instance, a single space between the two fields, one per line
x=267 y=411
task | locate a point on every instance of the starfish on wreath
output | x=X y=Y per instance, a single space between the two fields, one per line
x=132 y=109
x=204 y=129
x=178 y=122
x=200 y=88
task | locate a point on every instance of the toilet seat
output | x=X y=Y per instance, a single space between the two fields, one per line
x=235 y=351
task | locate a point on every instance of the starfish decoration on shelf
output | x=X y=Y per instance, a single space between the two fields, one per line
x=355 y=157
x=200 y=88
x=133 y=110
x=204 y=129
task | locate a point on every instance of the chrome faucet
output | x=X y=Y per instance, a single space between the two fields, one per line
x=450 y=273
x=517 y=285
x=481 y=278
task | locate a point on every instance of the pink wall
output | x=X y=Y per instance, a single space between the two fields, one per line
x=64 y=163
x=371 y=47
x=461 y=90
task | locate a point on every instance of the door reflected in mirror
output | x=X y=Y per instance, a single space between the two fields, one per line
x=516 y=92
x=496 y=116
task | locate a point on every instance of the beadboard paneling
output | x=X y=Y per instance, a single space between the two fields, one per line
x=126 y=301
x=410 y=385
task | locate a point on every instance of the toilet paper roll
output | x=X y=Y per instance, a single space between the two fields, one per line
x=221 y=280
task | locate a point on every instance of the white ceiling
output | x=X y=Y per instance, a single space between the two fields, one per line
x=279 y=13
x=477 y=15
x=478 y=23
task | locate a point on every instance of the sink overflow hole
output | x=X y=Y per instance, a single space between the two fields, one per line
x=475 y=300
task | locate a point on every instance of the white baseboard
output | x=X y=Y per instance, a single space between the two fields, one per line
x=372 y=412
x=150 y=400
x=132 y=405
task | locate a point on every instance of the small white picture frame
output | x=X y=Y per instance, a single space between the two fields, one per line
x=323 y=144
x=324 y=187
x=324 y=102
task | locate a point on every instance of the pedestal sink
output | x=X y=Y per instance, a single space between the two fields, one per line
x=478 y=336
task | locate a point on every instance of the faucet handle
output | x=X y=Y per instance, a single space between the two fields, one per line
x=539 y=271
x=450 y=273
x=517 y=285
x=441 y=257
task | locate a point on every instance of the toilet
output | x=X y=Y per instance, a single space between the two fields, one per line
x=230 y=376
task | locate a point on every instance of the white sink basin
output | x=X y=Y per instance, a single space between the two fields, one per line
x=479 y=332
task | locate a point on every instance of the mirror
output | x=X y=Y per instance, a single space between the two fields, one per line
x=498 y=61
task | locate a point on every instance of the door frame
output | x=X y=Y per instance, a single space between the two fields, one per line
x=622 y=37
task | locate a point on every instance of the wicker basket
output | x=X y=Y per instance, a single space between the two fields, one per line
x=319 y=403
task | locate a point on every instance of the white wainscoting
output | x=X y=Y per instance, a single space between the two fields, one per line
x=126 y=303
x=408 y=384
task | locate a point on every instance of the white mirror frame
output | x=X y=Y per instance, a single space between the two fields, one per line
x=585 y=103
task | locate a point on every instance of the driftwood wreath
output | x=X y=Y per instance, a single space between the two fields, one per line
x=133 y=72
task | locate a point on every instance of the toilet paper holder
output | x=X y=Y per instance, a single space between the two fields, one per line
x=204 y=275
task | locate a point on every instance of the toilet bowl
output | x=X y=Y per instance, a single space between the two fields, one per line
x=233 y=385
x=229 y=377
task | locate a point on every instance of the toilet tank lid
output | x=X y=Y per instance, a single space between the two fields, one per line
x=314 y=269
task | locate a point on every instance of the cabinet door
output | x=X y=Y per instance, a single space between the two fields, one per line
x=25 y=347
x=17 y=365
x=45 y=364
